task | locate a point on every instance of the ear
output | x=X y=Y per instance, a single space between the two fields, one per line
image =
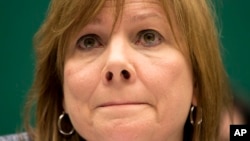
x=64 y=107
x=195 y=93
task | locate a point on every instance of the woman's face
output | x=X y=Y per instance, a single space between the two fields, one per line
x=129 y=85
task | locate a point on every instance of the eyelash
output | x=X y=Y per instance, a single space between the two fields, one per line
x=154 y=38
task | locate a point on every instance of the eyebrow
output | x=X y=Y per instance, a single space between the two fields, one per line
x=96 y=21
x=133 y=18
x=144 y=16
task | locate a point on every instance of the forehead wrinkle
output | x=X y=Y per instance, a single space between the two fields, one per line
x=134 y=18
x=143 y=9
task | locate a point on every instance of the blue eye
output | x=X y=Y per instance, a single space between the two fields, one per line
x=148 y=38
x=89 y=41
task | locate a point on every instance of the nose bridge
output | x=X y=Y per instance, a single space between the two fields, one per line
x=117 y=52
x=118 y=66
x=117 y=48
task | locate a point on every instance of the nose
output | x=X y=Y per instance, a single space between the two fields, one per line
x=118 y=68
x=118 y=71
x=124 y=74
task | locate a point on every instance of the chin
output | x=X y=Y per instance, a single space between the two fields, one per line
x=125 y=133
x=125 y=130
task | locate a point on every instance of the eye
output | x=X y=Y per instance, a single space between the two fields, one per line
x=148 y=38
x=89 y=41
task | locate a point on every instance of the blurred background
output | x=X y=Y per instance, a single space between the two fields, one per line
x=19 y=20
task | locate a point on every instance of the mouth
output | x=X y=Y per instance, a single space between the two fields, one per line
x=119 y=104
x=122 y=110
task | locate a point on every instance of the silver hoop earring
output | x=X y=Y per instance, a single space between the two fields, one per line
x=60 y=126
x=191 y=116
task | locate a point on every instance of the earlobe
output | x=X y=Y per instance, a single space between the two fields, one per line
x=194 y=97
x=194 y=100
x=64 y=107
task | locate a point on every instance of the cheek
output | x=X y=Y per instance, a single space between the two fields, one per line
x=170 y=80
x=79 y=82
x=169 y=73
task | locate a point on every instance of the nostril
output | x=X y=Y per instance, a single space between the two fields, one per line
x=109 y=76
x=125 y=74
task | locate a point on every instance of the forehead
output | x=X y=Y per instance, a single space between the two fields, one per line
x=132 y=10
x=109 y=3
x=132 y=4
